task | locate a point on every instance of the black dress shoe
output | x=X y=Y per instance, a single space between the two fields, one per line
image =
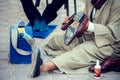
x=36 y=63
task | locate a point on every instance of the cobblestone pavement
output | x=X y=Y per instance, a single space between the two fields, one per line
x=10 y=12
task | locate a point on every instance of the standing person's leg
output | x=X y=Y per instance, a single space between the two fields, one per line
x=30 y=10
x=50 y=12
x=34 y=16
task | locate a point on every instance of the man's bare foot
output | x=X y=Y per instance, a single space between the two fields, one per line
x=47 y=66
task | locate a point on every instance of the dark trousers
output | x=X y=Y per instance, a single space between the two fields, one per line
x=49 y=14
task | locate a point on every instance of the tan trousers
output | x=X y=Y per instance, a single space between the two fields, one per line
x=77 y=57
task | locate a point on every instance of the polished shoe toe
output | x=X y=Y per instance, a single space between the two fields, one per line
x=69 y=35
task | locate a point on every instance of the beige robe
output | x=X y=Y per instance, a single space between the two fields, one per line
x=77 y=57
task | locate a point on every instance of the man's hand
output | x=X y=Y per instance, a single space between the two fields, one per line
x=67 y=21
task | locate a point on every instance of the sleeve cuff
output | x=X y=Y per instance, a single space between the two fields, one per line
x=90 y=27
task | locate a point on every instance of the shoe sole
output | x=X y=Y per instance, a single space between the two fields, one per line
x=69 y=35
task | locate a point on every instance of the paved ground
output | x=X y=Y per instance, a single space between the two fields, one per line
x=10 y=12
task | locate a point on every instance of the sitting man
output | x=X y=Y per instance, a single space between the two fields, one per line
x=90 y=35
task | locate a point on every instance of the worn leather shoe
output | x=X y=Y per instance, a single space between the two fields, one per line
x=77 y=28
x=109 y=64
x=36 y=63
